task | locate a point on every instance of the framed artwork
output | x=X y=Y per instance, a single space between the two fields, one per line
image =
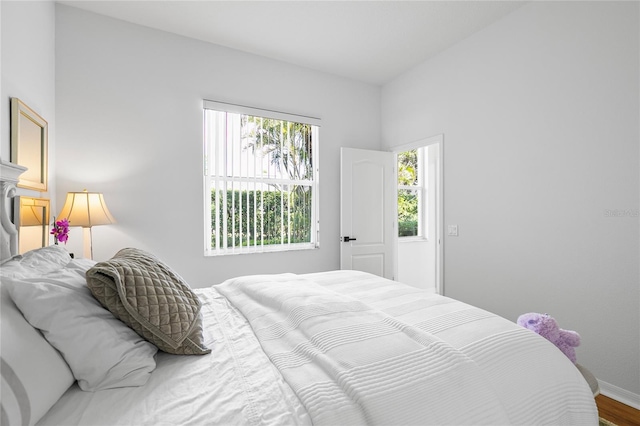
x=31 y=215
x=29 y=145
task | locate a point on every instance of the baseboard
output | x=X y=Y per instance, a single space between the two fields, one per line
x=621 y=395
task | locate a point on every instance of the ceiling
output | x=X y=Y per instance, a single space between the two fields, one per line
x=370 y=41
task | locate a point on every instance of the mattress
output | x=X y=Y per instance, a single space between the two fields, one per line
x=529 y=379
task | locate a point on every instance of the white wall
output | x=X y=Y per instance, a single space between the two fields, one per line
x=28 y=72
x=540 y=116
x=129 y=118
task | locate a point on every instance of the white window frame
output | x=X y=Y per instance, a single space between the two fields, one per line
x=210 y=176
x=421 y=190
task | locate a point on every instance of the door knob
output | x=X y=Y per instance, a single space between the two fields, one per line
x=347 y=239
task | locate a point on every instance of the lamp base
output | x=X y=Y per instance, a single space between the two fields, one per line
x=87 y=248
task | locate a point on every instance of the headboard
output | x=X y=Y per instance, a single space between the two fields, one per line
x=9 y=174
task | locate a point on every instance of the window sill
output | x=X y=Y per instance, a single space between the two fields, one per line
x=265 y=249
x=412 y=240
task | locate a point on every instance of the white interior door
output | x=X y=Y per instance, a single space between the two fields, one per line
x=368 y=211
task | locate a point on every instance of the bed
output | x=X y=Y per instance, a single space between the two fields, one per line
x=329 y=348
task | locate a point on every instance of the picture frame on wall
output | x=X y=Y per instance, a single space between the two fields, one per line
x=32 y=216
x=29 y=145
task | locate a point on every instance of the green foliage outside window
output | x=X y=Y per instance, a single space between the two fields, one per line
x=407 y=213
x=266 y=217
x=407 y=199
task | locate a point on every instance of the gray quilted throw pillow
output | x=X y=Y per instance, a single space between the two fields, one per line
x=152 y=299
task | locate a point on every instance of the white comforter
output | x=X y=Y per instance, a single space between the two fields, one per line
x=534 y=381
x=441 y=362
x=351 y=364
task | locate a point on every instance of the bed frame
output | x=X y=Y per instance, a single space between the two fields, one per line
x=9 y=174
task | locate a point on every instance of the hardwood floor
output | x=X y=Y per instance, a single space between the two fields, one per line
x=616 y=412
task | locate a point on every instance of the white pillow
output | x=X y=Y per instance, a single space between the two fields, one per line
x=35 y=262
x=34 y=374
x=101 y=351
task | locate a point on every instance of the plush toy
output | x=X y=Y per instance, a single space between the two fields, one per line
x=547 y=327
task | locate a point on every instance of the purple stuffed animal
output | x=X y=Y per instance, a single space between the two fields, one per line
x=547 y=327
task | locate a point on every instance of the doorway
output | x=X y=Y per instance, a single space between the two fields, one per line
x=419 y=259
x=368 y=215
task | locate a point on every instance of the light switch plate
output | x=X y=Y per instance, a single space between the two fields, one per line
x=453 y=230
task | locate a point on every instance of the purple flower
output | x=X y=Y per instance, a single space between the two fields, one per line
x=60 y=230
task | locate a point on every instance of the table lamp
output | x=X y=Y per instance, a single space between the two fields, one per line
x=86 y=209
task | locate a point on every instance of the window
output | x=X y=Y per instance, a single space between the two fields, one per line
x=261 y=180
x=412 y=193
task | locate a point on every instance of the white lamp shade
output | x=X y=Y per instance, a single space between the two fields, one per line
x=86 y=209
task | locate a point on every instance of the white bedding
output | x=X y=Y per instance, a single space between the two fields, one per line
x=535 y=382
x=235 y=384
x=350 y=363
x=526 y=377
